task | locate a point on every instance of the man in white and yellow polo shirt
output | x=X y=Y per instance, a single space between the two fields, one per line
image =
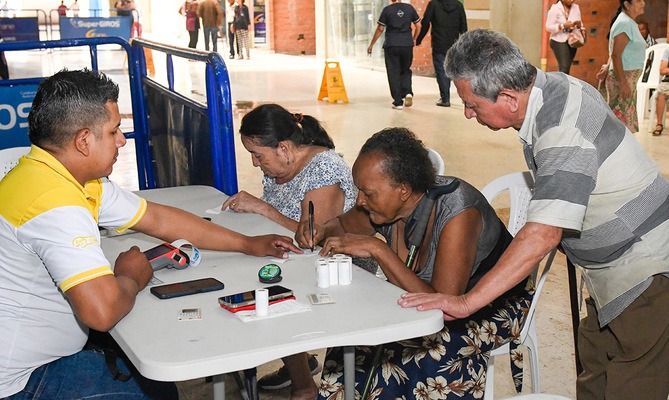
x=55 y=282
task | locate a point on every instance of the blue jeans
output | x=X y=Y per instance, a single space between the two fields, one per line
x=84 y=375
x=443 y=81
x=211 y=32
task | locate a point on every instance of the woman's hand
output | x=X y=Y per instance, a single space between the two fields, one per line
x=568 y=25
x=603 y=72
x=246 y=203
x=354 y=245
x=303 y=234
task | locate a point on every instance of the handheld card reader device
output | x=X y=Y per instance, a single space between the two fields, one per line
x=167 y=256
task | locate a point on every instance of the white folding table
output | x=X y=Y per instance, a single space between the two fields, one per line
x=165 y=349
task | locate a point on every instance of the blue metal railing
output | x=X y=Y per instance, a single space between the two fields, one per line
x=218 y=108
x=92 y=43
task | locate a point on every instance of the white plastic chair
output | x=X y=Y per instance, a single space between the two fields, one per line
x=652 y=118
x=10 y=157
x=643 y=88
x=519 y=185
x=437 y=161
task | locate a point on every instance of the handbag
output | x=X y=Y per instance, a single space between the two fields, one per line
x=576 y=38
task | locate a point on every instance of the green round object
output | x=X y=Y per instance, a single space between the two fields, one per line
x=270 y=273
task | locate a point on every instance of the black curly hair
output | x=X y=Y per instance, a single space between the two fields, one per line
x=405 y=158
x=67 y=102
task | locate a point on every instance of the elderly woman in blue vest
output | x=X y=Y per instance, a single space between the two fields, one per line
x=462 y=241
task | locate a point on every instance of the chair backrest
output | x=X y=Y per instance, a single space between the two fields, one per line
x=10 y=157
x=520 y=186
x=437 y=161
x=653 y=79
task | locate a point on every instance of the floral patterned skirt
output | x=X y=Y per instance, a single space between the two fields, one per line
x=624 y=109
x=450 y=364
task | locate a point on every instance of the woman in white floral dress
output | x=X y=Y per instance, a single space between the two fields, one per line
x=462 y=241
x=299 y=164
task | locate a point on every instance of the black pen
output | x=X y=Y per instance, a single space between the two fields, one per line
x=311 y=223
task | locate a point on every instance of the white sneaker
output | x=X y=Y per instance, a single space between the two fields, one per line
x=408 y=100
x=400 y=107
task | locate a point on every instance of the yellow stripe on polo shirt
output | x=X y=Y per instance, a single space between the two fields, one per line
x=85 y=277
x=36 y=189
x=140 y=213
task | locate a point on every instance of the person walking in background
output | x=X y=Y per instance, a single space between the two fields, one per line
x=448 y=21
x=62 y=9
x=229 y=18
x=645 y=33
x=396 y=19
x=74 y=7
x=563 y=17
x=212 y=16
x=242 y=25
x=627 y=54
x=662 y=92
x=190 y=10
x=124 y=8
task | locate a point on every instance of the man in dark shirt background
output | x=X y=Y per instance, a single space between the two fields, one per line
x=448 y=21
x=398 y=49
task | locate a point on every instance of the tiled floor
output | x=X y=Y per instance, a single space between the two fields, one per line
x=470 y=152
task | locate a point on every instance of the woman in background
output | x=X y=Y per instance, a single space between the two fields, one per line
x=627 y=54
x=190 y=10
x=562 y=18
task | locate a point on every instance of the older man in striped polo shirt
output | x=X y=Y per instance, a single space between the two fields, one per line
x=597 y=194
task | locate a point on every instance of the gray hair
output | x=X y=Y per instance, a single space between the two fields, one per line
x=490 y=62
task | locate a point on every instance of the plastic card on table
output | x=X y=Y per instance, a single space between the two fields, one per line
x=275 y=310
x=294 y=256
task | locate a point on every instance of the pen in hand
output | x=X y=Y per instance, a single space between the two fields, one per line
x=311 y=223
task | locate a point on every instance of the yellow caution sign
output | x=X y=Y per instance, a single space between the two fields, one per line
x=332 y=84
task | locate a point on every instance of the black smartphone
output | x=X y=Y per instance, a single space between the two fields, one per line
x=248 y=298
x=185 y=288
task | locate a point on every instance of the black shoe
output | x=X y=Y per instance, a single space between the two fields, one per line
x=280 y=378
x=232 y=56
x=441 y=103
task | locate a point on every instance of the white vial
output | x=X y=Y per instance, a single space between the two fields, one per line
x=333 y=266
x=322 y=273
x=345 y=266
x=262 y=302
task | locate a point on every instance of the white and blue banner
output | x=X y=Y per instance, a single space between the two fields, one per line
x=19 y=29
x=72 y=28
x=15 y=105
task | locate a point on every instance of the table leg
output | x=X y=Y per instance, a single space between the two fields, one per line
x=219 y=387
x=349 y=372
x=575 y=316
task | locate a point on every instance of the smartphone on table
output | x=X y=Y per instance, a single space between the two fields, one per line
x=247 y=300
x=185 y=288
